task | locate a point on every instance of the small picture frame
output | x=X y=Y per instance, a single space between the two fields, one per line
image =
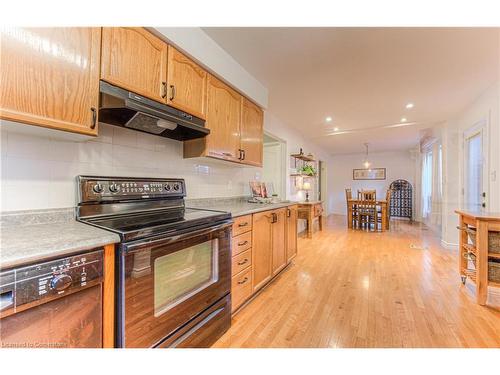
x=369 y=174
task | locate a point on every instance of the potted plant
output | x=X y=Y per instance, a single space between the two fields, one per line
x=308 y=170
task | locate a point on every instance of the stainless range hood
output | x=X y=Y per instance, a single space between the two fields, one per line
x=124 y=108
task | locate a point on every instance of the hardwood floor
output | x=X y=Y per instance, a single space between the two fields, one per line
x=349 y=288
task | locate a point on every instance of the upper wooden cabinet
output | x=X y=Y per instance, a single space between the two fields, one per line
x=50 y=77
x=252 y=121
x=236 y=127
x=187 y=84
x=223 y=120
x=136 y=60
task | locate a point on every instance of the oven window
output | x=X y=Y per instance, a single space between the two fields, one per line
x=182 y=274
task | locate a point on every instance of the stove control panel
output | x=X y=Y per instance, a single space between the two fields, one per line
x=93 y=189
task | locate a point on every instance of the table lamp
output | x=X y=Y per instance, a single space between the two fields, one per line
x=306 y=186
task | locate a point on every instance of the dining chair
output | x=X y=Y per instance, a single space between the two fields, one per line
x=354 y=208
x=388 y=208
x=367 y=208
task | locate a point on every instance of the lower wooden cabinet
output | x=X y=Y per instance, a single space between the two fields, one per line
x=291 y=232
x=262 y=245
x=262 y=251
x=241 y=288
x=278 y=250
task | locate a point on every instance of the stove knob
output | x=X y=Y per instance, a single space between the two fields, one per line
x=114 y=188
x=61 y=282
x=167 y=187
x=98 y=188
x=176 y=187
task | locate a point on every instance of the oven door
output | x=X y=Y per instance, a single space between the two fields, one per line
x=166 y=282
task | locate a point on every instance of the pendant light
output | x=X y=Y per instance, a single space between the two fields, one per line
x=366 y=163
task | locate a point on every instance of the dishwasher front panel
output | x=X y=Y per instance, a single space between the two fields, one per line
x=70 y=322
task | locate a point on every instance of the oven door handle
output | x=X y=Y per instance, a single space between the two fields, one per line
x=176 y=238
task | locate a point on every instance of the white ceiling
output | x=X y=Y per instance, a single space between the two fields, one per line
x=364 y=77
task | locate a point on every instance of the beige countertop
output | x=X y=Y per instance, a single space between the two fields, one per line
x=36 y=236
x=236 y=206
x=476 y=215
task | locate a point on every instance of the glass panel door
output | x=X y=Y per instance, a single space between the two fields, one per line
x=473 y=176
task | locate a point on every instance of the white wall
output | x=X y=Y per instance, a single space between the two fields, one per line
x=295 y=141
x=399 y=165
x=485 y=107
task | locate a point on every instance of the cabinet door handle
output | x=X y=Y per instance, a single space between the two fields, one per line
x=243 y=262
x=288 y=212
x=243 y=281
x=172 y=87
x=244 y=155
x=240 y=151
x=94 y=118
x=163 y=89
x=243 y=224
x=275 y=218
x=242 y=243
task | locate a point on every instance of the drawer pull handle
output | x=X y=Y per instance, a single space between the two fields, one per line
x=242 y=243
x=243 y=281
x=243 y=224
x=243 y=262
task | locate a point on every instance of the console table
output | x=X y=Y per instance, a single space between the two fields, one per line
x=309 y=211
x=483 y=223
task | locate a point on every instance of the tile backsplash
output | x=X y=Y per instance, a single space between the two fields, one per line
x=39 y=172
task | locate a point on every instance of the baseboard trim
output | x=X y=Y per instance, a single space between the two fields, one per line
x=449 y=245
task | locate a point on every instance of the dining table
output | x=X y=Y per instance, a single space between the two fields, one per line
x=382 y=203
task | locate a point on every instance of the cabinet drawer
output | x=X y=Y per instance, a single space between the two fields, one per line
x=241 y=262
x=241 y=288
x=242 y=243
x=242 y=224
x=318 y=210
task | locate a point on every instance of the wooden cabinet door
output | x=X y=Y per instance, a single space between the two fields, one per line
x=136 y=60
x=50 y=77
x=223 y=120
x=252 y=132
x=187 y=84
x=261 y=249
x=279 y=240
x=291 y=233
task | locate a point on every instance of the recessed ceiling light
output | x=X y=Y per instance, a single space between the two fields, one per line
x=409 y=106
x=403 y=119
x=328 y=119
x=335 y=129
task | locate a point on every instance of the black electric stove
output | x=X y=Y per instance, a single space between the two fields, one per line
x=173 y=264
x=137 y=208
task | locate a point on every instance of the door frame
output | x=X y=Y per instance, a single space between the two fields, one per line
x=479 y=127
x=285 y=167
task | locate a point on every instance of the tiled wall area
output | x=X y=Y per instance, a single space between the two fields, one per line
x=39 y=172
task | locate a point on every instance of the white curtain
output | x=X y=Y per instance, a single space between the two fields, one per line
x=426 y=184
x=432 y=184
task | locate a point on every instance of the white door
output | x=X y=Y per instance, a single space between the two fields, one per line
x=475 y=169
